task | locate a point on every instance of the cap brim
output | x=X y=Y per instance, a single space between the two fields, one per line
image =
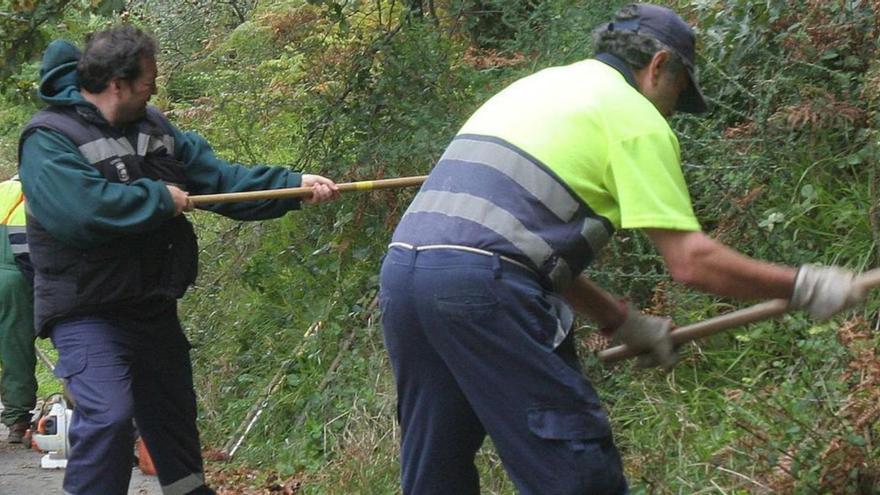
x=691 y=100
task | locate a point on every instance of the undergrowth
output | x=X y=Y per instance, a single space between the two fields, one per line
x=283 y=317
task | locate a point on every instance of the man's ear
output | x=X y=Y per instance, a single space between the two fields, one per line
x=115 y=85
x=657 y=66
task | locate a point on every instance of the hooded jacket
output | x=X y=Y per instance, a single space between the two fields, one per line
x=104 y=239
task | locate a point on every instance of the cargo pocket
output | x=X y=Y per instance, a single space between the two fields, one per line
x=585 y=448
x=574 y=425
x=71 y=363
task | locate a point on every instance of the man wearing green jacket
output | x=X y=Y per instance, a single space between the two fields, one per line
x=107 y=179
x=18 y=384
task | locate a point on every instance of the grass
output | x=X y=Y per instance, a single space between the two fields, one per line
x=48 y=383
x=784 y=168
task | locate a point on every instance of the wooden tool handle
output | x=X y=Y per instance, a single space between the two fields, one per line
x=752 y=314
x=304 y=192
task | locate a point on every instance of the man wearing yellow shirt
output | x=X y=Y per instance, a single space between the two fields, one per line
x=478 y=279
x=18 y=384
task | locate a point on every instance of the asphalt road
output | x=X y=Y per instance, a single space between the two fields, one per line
x=21 y=474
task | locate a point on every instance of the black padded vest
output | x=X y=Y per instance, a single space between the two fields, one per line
x=133 y=276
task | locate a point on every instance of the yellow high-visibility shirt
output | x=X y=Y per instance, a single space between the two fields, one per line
x=601 y=137
x=12 y=211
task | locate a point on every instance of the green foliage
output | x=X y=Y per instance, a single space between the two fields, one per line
x=11 y=118
x=784 y=168
x=26 y=26
x=48 y=383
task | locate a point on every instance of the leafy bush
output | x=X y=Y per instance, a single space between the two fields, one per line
x=783 y=168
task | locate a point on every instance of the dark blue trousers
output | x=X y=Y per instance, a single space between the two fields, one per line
x=117 y=370
x=470 y=339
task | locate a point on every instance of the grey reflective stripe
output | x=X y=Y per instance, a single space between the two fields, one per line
x=564 y=317
x=488 y=215
x=17 y=247
x=143 y=142
x=595 y=233
x=561 y=274
x=104 y=148
x=524 y=172
x=184 y=485
x=147 y=143
x=168 y=141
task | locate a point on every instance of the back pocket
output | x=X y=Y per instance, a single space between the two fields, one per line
x=470 y=306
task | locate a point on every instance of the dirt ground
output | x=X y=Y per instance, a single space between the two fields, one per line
x=21 y=474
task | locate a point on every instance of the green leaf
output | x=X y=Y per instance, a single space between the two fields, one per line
x=108 y=7
x=829 y=54
x=857 y=440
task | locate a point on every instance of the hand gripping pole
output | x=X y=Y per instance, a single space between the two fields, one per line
x=718 y=324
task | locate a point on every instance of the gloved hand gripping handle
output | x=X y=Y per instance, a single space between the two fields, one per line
x=752 y=314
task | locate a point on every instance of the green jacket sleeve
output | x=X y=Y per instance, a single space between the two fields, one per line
x=76 y=204
x=207 y=174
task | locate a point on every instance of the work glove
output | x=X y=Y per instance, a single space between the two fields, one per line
x=649 y=335
x=824 y=291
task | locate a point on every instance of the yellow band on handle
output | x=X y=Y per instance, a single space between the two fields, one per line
x=364 y=185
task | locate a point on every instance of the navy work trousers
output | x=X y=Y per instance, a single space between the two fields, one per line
x=116 y=370
x=470 y=339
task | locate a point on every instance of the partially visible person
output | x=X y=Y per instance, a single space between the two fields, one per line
x=18 y=359
x=108 y=179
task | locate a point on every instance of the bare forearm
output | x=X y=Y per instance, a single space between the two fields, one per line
x=592 y=301
x=698 y=261
x=729 y=273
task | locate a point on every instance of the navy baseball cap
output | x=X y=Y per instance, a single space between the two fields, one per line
x=668 y=28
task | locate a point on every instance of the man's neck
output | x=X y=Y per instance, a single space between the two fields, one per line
x=103 y=103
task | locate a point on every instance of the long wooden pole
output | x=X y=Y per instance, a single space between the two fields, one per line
x=752 y=314
x=304 y=192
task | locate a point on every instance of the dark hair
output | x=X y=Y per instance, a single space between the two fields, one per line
x=116 y=52
x=635 y=49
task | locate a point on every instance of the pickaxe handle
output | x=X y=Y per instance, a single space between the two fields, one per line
x=304 y=192
x=718 y=324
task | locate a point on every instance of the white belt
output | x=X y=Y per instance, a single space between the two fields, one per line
x=460 y=248
x=561 y=310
